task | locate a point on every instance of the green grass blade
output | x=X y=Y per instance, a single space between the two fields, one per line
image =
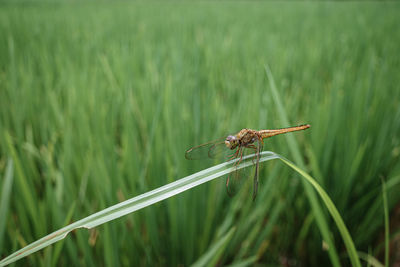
x=386 y=216
x=210 y=258
x=294 y=149
x=21 y=180
x=137 y=203
x=372 y=261
x=59 y=246
x=177 y=187
x=5 y=198
x=246 y=262
x=351 y=249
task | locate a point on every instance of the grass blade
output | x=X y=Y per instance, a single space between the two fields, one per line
x=294 y=149
x=5 y=198
x=21 y=181
x=351 y=249
x=386 y=216
x=372 y=261
x=59 y=246
x=137 y=203
x=244 y=263
x=175 y=188
x=210 y=258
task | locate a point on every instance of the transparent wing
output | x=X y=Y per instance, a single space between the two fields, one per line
x=214 y=149
x=221 y=151
x=236 y=179
x=257 y=167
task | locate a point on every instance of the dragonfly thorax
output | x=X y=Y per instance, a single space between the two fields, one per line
x=231 y=141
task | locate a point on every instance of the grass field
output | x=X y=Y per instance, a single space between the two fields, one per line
x=101 y=101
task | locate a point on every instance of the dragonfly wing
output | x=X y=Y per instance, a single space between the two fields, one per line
x=257 y=162
x=210 y=149
x=198 y=152
x=236 y=179
x=221 y=151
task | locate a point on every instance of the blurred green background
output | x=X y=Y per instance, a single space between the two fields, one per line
x=101 y=100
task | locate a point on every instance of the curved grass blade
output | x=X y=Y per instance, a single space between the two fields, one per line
x=372 y=261
x=295 y=151
x=211 y=257
x=137 y=203
x=246 y=262
x=351 y=249
x=177 y=187
x=5 y=198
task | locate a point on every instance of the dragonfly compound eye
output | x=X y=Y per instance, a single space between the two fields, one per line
x=231 y=141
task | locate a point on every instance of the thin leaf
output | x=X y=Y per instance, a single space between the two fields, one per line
x=177 y=187
x=294 y=149
x=351 y=249
x=370 y=259
x=386 y=216
x=22 y=182
x=59 y=246
x=5 y=198
x=210 y=258
x=246 y=262
x=137 y=203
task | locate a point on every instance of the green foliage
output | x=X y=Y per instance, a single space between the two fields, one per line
x=99 y=101
x=139 y=202
x=212 y=256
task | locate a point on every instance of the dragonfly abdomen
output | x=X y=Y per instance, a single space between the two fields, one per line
x=269 y=133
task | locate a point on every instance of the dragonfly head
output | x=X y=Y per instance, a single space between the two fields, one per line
x=231 y=142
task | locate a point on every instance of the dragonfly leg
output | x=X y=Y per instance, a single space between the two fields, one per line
x=255 y=152
x=238 y=151
x=241 y=155
x=234 y=155
x=255 y=188
x=237 y=154
x=255 y=157
x=256 y=148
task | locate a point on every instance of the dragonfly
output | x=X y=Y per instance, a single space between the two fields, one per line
x=246 y=141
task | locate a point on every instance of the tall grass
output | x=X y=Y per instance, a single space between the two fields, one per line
x=101 y=101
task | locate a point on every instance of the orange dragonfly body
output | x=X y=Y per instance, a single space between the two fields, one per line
x=234 y=146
